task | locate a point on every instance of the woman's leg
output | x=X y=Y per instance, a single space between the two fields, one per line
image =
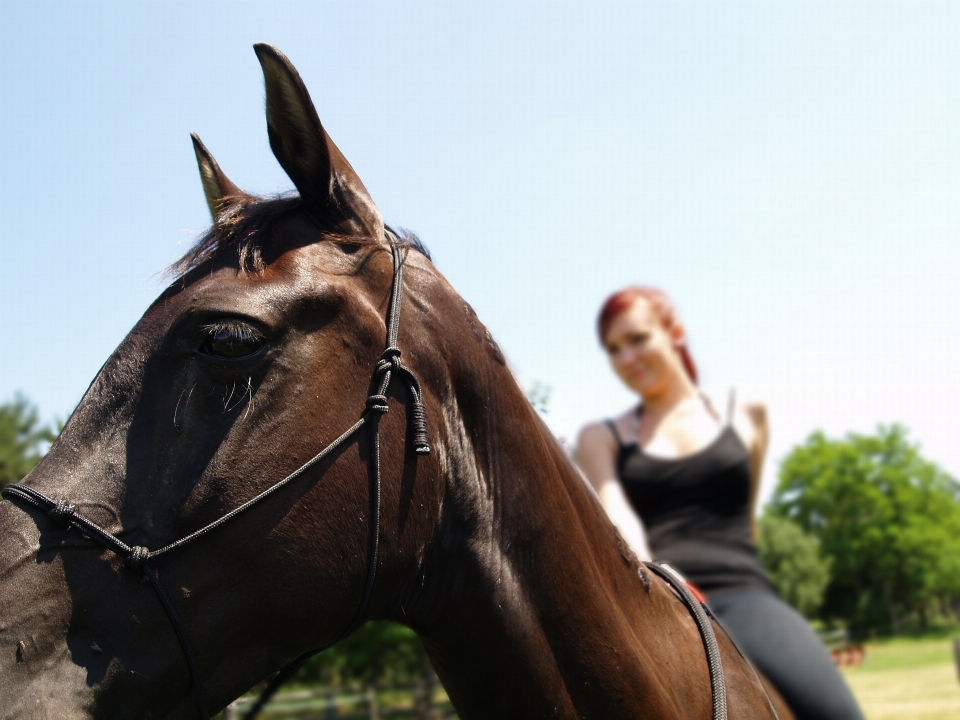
x=782 y=645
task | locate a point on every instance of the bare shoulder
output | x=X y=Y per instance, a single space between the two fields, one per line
x=608 y=434
x=595 y=436
x=750 y=422
x=597 y=454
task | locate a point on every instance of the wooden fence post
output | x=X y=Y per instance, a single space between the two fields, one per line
x=430 y=685
x=423 y=690
x=372 y=700
x=421 y=702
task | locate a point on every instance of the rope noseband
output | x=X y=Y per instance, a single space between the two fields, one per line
x=138 y=558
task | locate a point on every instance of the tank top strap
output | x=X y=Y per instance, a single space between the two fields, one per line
x=616 y=434
x=731 y=405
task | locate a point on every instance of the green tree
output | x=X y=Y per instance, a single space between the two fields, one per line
x=889 y=519
x=792 y=559
x=539 y=396
x=379 y=652
x=22 y=439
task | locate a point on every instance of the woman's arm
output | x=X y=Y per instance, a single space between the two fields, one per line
x=596 y=456
x=755 y=414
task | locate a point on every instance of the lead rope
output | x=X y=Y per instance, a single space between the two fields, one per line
x=136 y=558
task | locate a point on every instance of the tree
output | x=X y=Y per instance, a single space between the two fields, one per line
x=889 y=519
x=792 y=559
x=22 y=439
x=379 y=652
x=539 y=396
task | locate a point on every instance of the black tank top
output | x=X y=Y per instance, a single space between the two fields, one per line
x=696 y=511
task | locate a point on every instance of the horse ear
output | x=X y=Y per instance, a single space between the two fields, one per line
x=216 y=185
x=329 y=186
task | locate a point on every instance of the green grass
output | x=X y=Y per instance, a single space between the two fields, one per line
x=908 y=653
x=908 y=679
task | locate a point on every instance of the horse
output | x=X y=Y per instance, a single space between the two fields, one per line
x=303 y=457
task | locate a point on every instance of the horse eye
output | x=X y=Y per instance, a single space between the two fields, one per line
x=231 y=341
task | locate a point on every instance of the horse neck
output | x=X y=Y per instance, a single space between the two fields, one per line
x=532 y=605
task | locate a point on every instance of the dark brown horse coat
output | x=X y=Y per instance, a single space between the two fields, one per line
x=492 y=547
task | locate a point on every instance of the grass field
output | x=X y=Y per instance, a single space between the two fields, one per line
x=907 y=679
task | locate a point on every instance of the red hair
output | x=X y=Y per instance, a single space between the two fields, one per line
x=662 y=308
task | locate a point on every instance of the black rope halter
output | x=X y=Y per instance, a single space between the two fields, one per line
x=139 y=559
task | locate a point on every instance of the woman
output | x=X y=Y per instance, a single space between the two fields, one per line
x=691 y=474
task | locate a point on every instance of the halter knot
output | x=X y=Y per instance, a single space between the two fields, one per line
x=389 y=360
x=138 y=555
x=377 y=403
x=62 y=512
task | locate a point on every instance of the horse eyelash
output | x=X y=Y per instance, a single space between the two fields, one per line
x=236 y=328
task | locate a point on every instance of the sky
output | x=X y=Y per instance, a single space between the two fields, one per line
x=788 y=172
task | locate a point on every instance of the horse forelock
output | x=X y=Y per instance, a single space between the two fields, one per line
x=242 y=227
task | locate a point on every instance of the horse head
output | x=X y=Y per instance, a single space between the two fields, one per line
x=261 y=352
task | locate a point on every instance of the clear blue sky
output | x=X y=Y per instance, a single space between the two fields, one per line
x=789 y=172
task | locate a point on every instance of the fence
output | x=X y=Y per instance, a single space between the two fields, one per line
x=842 y=651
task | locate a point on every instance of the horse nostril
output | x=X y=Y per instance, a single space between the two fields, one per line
x=20 y=648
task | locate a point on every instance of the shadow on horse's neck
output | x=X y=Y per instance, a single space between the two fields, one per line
x=531 y=605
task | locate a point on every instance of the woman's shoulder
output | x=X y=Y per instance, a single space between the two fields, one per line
x=752 y=412
x=606 y=434
x=596 y=435
x=596 y=453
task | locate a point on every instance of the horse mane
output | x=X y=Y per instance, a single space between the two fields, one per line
x=241 y=227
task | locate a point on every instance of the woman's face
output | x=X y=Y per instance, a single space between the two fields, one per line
x=642 y=351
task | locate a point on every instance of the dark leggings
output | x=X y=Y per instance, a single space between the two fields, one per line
x=783 y=646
